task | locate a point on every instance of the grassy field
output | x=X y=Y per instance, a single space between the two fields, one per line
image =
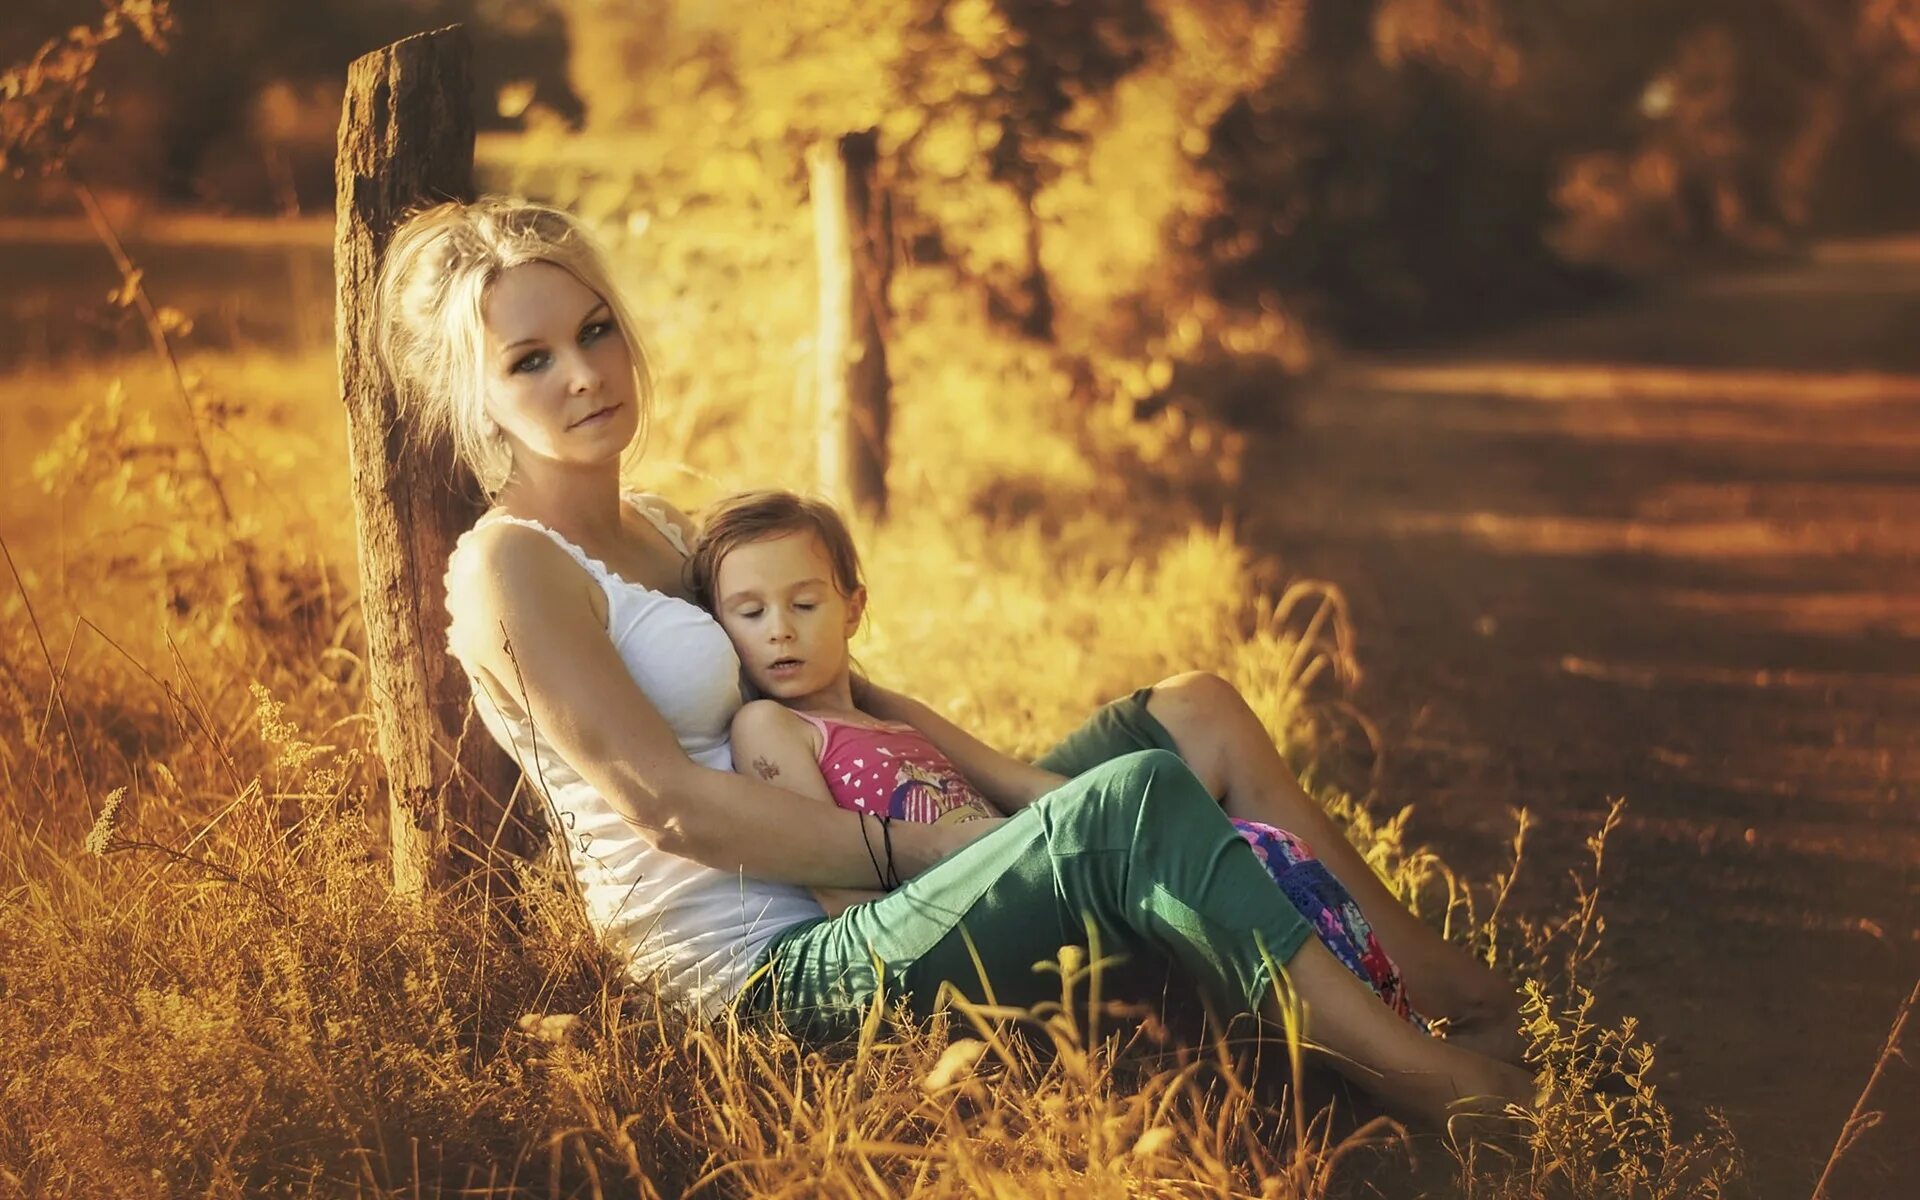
x=209 y=988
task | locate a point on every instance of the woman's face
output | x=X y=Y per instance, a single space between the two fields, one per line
x=559 y=372
x=789 y=624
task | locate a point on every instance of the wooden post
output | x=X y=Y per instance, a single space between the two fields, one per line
x=853 y=234
x=406 y=138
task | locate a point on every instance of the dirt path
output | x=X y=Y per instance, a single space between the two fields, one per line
x=1669 y=552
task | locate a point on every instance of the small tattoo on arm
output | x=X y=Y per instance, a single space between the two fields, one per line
x=765 y=769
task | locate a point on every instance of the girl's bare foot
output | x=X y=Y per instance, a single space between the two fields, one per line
x=1495 y=1038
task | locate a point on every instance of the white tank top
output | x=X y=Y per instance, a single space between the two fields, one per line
x=700 y=929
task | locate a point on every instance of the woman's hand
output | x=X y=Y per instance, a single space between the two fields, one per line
x=838 y=900
x=962 y=834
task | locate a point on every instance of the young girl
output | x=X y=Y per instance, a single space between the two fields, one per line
x=782 y=576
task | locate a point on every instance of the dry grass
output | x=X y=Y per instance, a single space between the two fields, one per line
x=209 y=989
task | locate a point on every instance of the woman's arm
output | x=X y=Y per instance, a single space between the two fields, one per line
x=1009 y=783
x=772 y=744
x=524 y=616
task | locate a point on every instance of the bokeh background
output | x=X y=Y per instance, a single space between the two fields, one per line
x=1573 y=343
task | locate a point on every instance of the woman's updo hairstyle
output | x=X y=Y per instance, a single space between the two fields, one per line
x=430 y=314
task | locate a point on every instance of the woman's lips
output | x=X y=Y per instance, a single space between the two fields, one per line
x=594 y=417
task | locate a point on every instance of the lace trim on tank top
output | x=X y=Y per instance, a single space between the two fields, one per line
x=638 y=501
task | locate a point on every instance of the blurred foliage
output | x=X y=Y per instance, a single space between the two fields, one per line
x=45 y=98
x=211 y=988
x=240 y=114
x=1139 y=175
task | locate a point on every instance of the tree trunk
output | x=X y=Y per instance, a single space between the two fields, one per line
x=853 y=232
x=406 y=138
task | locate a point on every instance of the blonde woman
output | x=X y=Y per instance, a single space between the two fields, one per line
x=591 y=664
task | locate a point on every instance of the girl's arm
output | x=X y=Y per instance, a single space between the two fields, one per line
x=773 y=745
x=1009 y=783
x=525 y=619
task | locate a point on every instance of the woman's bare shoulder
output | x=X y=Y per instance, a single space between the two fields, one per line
x=504 y=569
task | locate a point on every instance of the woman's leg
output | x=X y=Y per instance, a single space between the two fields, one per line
x=1139 y=850
x=1229 y=749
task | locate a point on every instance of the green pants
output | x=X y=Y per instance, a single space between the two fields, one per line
x=1116 y=728
x=1136 y=846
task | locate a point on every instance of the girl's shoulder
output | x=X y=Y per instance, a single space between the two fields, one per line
x=762 y=720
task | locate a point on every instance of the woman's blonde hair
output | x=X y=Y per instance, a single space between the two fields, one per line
x=430 y=309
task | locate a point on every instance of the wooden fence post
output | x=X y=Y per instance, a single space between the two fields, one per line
x=853 y=235
x=406 y=137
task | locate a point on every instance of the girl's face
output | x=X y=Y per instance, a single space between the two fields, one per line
x=778 y=602
x=559 y=372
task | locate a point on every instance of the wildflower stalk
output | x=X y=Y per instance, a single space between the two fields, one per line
x=133 y=286
x=1859 y=1122
x=105 y=839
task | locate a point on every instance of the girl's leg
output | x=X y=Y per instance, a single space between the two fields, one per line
x=1229 y=749
x=1417 y=1077
x=1327 y=905
x=1139 y=850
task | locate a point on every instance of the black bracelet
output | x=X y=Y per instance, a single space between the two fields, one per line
x=871 y=857
x=886 y=835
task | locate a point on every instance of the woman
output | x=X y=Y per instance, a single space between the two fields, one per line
x=500 y=324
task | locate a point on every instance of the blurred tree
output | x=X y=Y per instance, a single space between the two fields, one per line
x=619 y=43
x=1025 y=74
x=241 y=113
x=1725 y=121
x=48 y=97
x=1852 y=158
x=1382 y=176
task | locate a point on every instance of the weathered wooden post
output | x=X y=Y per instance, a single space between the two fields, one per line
x=406 y=138
x=853 y=234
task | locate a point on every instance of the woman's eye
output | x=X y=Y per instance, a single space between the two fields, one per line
x=530 y=362
x=595 y=331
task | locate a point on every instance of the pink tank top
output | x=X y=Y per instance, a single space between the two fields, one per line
x=893 y=770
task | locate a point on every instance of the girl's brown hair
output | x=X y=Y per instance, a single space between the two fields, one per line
x=750 y=517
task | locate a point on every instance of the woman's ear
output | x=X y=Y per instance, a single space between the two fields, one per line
x=856 y=608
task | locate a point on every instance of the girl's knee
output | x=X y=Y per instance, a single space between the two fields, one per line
x=1145 y=788
x=1152 y=780
x=1194 y=695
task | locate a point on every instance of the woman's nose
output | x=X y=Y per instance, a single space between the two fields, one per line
x=584 y=380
